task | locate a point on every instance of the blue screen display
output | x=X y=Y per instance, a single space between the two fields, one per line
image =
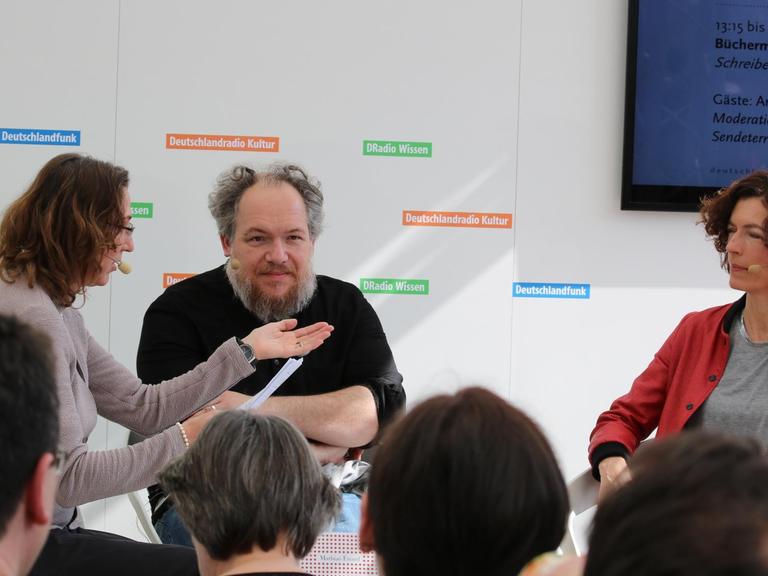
x=701 y=102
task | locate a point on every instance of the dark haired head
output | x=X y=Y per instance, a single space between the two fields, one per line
x=464 y=485
x=29 y=423
x=716 y=210
x=697 y=504
x=56 y=233
x=245 y=482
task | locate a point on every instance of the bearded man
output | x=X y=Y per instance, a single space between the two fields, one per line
x=268 y=223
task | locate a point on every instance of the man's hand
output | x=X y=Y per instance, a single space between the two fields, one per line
x=346 y=417
x=613 y=474
x=327 y=454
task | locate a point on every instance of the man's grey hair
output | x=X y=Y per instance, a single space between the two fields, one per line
x=245 y=481
x=232 y=183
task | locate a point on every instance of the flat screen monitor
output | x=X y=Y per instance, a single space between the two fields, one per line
x=696 y=115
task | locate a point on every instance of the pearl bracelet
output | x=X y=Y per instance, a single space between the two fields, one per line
x=183 y=434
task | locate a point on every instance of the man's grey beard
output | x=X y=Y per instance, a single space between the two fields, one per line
x=269 y=309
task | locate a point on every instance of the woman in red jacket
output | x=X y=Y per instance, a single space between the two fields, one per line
x=711 y=371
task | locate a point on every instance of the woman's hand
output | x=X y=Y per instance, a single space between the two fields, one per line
x=227 y=401
x=613 y=474
x=195 y=423
x=280 y=340
x=230 y=400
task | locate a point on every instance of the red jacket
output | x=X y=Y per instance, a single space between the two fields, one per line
x=676 y=383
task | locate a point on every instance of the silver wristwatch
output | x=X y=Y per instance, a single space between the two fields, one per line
x=248 y=352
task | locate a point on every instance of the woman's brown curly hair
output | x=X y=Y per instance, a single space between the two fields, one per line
x=716 y=210
x=56 y=233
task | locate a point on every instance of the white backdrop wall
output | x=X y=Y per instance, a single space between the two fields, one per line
x=521 y=102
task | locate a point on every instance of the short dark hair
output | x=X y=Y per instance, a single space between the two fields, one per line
x=465 y=484
x=716 y=210
x=697 y=503
x=232 y=184
x=246 y=480
x=29 y=421
x=56 y=233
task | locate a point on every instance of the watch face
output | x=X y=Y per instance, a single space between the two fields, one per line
x=247 y=352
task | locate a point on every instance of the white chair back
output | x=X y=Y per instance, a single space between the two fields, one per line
x=582 y=493
x=141 y=506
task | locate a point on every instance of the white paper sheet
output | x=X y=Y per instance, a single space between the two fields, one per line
x=284 y=373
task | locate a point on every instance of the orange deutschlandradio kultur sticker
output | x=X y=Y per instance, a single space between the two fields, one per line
x=171 y=278
x=222 y=142
x=457 y=219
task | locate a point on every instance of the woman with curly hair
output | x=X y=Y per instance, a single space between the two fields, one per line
x=711 y=371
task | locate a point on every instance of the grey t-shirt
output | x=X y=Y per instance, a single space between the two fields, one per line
x=739 y=403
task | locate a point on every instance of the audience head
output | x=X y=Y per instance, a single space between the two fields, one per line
x=464 y=484
x=716 y=210
x=697 y=505
x=59 y=233
x=250 y=482
x=28 y=438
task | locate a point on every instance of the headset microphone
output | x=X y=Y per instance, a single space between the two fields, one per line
x=755 y=268
x=123 y=266
x=234 y=263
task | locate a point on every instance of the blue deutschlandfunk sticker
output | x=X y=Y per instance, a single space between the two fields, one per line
x=40 y=137
x=549 y=290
